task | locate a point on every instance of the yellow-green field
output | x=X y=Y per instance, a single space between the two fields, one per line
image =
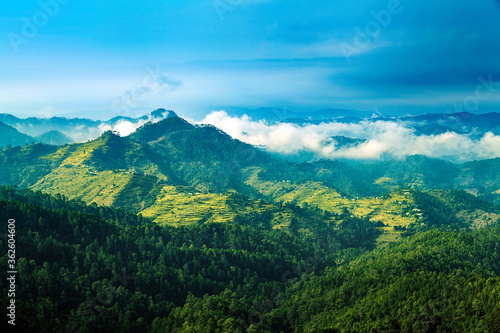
x=76 y=180
x=181 y=208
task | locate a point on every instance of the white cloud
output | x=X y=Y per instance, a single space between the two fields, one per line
x=384 y=139
x=123 y=127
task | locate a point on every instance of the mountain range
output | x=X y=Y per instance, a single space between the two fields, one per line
x=174 y=156
x=428 y=124
x=12 y=137
x=82 y=129
x=61 y=130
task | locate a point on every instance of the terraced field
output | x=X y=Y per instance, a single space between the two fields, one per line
x=395 y=209
x=178 y=206
x=80 y=182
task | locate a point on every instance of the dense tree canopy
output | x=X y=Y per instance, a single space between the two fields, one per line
x=94 y=269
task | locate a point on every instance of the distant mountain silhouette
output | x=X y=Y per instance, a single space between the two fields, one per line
x=54 y=138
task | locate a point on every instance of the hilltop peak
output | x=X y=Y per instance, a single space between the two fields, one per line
x=111 y=139
x=163 y=113
x=153 y=131
x=160 y=113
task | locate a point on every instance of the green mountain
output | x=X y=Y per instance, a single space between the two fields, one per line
x=180 y=228
x=178 y=173
x=208 y=160
x=9 y=136
x=131 y=171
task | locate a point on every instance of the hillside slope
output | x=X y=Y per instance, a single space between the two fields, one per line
x=9 y=136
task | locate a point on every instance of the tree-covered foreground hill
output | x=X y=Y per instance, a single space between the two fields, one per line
x=97 y=269
x=101 y=269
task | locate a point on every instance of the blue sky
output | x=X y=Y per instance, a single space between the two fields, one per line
x=105 y=58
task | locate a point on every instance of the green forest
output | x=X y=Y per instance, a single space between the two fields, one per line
x=85 y=268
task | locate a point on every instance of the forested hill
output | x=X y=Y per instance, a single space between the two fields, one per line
x=131 y=171
x=94 y=269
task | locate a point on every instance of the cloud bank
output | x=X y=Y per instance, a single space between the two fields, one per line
x=383 y=139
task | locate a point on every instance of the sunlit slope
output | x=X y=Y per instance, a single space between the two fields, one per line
x=394 y=210
x=397 y=210
x=24 y=166
x=85 y=173
x=121 y=190
x=183 y=206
